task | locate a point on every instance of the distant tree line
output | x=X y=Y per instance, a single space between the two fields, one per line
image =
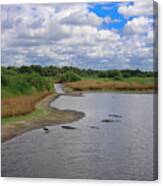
x=29 y=79
x=54 y=71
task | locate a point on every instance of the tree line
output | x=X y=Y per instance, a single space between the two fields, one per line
x=35 y=78
x=54 y=71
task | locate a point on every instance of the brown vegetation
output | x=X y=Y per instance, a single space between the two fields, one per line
x=109 y=85
x=22 y=104
x=43 y=115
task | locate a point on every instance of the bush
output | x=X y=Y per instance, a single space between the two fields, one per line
x=118 y=76
x=18 y=86
x=69 y=77
x=38 y=82
x=102 y=74
x=4 y=80
x=16 y=83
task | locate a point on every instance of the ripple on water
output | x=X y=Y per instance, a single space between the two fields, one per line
x=87 y=148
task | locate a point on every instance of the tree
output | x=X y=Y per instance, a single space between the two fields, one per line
x=69 y=77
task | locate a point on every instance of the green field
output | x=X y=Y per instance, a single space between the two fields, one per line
x=142 y=80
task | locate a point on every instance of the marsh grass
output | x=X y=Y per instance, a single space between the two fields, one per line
x=40 y=117
x=86 y=85
x=21 y=105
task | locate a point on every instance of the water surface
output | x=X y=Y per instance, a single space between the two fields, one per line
x=59 y=88
x=119 y=149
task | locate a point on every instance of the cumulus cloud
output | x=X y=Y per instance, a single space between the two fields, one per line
x=138 y=8
x=71 y=34
x=139 y=25
x=108 y=19
x=81 y=16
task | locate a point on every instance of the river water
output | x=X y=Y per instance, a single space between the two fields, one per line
x=113 y=141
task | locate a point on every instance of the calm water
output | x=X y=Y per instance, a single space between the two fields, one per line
x=59 y=88
x=119 y=149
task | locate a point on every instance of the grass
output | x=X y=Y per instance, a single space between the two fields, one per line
x=25 y=112
x=129 y=84
x=21 y=105
x=141 y=80
x=41 y=116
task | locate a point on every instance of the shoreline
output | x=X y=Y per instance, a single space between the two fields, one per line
x=52 y=116
x=111 y=86
x=72 y=93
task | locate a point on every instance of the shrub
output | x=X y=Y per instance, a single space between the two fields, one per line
x=69 y=77
x=20 y=84
x=113 y=73
x=118 y=76
x=37 y=82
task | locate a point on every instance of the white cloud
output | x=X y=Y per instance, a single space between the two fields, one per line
x=139 y=7
x=81 y=16
x=108 y=19
x=139 y=25
x=69 y=34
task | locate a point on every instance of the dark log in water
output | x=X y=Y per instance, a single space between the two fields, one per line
x=94 y=127
x=46 y=130
x=116 y=151
x=109 y=121
x=115 y=115
x=68 y=127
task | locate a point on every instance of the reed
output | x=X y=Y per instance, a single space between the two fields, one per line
x=85 y=85
x=22 y=104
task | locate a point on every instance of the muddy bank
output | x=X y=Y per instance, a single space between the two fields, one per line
x=45 y=116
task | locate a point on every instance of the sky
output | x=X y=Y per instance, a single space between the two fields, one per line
x=85 y=35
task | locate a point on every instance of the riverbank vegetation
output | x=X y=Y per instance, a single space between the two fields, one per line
x=42 y=115
x=111 y=85
x=15 y=83
x=27 y=79
x=23 y=87
x=22 y=104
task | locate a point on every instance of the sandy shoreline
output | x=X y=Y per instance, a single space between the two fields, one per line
x=52 y=116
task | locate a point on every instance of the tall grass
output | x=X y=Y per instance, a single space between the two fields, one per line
x=22 y=104
x=109 y=85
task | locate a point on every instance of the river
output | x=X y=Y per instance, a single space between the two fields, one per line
x=113 y=141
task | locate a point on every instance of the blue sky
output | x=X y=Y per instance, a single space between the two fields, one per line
x=85 y=35
x=111 y=10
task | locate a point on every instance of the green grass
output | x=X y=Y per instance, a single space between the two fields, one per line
x=14 y=119
x=39 y=112
x=42 y=112
x=43 y=115
x=141 y=80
